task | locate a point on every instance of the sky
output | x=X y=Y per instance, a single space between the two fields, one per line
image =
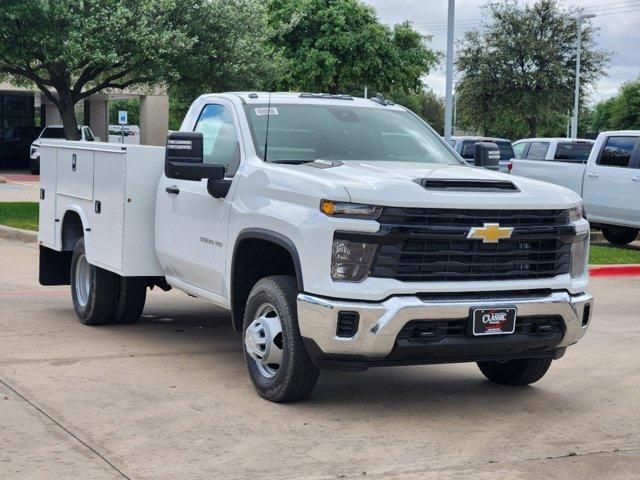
x=618 y=20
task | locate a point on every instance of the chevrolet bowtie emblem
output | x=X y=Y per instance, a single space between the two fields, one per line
x=490 y=233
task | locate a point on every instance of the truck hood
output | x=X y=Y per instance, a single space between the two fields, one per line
x=398 y=184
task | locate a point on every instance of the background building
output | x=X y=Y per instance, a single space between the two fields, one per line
x=22 y=109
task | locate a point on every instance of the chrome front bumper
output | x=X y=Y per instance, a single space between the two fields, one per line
x=380 y=323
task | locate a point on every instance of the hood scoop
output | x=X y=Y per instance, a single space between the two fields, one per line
x=448 y=185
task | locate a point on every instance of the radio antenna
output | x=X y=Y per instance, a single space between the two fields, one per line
x=266 y=135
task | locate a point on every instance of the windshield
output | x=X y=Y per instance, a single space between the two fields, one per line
x=304 y=133
x=53 y=132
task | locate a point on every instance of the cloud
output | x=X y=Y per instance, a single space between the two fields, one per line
x=618 y=23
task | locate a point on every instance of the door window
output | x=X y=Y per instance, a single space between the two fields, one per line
x=520 y=149
x=220 y=142
x=617 y=152
x=537 y=151
x=573 y=152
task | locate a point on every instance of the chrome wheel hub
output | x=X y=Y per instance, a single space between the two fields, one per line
x=82 y=280
x=263 y=340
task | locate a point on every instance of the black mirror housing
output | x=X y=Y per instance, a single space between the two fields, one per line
x=184 y=159
x=487 y=155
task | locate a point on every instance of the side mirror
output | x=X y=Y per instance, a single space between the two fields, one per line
x=487 y=155
x=184 y=158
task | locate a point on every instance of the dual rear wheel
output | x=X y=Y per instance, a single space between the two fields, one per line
x=101 y=297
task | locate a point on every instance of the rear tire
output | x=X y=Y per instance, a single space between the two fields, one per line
x=93 y=289
x=132 y=294
x=279 y=366
x=619 y=235
x=516 y=372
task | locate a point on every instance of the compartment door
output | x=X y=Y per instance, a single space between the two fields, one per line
x=107 y=216
x=75 y=172
x=47 y=217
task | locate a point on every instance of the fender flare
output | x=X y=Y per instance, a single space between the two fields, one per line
x=266 y=235
x=278 y=239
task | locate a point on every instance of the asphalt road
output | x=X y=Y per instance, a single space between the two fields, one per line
x=169 y=398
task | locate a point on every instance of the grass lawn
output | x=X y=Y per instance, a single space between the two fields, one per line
x=19 y=215
x=609 y=255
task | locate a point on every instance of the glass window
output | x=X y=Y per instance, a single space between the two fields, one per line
x=617 y=151
x=219 y=136
x=519 y=149
x=53 y=132
x=537 y=151
x=468 y=150
x=304 y=133
x=506 y=150
x=574 y=152
x=88 y=135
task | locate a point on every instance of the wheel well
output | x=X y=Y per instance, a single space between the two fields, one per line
x=253 y=259
x=72 y=230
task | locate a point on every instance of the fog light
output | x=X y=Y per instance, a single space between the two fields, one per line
x=351 y=261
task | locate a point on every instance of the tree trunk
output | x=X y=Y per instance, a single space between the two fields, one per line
x=68 y=115
x=533 y=126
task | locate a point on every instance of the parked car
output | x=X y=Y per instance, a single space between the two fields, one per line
x=340 y=232
x=465 y=146
x=14 y=145
x=564 y=150
x=55 y=132
x=608 y=180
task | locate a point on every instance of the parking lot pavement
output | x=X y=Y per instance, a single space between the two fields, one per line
x=169 y=398
x=20 y=187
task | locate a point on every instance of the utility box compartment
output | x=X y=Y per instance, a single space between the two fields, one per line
x=112 y=188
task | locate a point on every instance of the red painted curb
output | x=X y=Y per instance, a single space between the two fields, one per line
x=614 y=271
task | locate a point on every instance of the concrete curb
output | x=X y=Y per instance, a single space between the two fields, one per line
x=614 y=271
x=26 y=236
x=597 y=237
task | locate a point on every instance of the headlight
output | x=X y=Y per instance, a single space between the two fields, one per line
x=579 y=254
x=349 y=210
x=576 y=213
x=351 y=261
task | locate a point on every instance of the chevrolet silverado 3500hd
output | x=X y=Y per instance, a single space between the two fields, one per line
x=340 y=233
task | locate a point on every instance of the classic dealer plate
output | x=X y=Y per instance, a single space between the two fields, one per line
x=493 y=321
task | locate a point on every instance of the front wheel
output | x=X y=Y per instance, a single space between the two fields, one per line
x=515 y=372
x=279 y=366
x=619 y=235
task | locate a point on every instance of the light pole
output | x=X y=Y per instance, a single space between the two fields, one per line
x=576 y=99
x=448 y=99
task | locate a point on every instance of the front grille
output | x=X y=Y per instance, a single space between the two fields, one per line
x=471 y=218
x=418 y=245
x=424 y=331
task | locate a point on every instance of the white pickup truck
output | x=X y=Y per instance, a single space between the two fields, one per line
x=340 y=232
x=609 y=182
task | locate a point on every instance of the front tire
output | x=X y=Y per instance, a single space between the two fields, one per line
x=93 y=290
x=619 y=235
x=516 y=372
x=279 y=366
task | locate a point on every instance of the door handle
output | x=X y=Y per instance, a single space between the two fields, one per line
x=593 y=175
x=172 y=190
x=635 y=179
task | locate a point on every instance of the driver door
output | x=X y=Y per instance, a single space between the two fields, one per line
x=191 y=238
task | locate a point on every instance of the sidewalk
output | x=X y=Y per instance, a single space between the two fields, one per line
x=20 y=187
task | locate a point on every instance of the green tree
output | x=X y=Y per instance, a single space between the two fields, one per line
x=517 y=71
x=424 y=103
x=72 y=49
x=620 y=112
x=340 y=46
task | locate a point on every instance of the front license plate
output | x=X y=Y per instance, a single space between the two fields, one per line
x=493 y=321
